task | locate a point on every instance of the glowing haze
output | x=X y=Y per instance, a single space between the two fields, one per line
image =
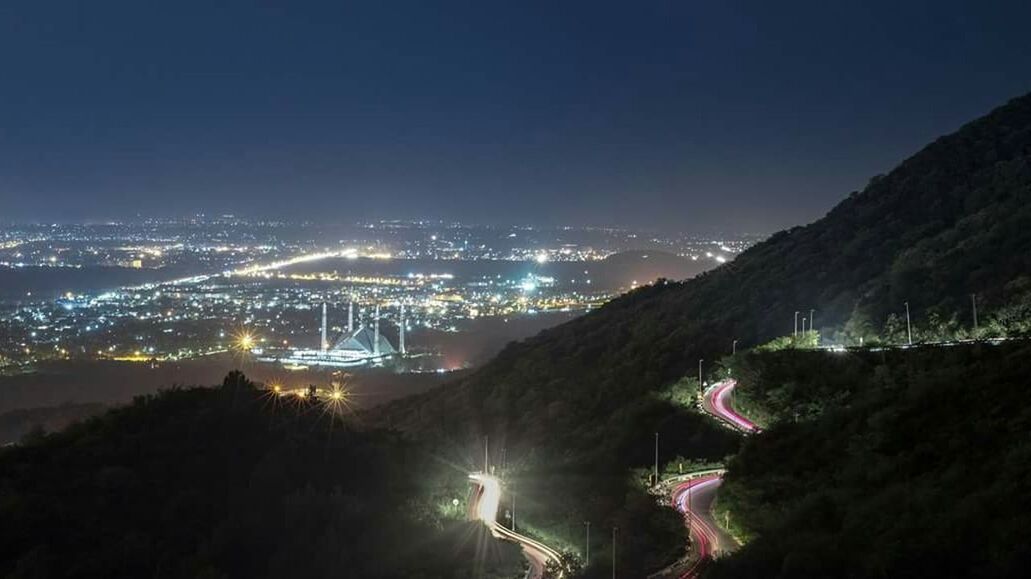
x=684 y=115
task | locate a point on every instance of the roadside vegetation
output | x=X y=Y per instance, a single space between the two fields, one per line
x=893 y=463
x=557 y=495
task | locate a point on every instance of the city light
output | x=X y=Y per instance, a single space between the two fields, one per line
x=269 y=286
x=245 y=341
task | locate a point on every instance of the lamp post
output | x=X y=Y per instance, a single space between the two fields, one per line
x=587 y=562
x=656 y=479
x=811 y=312
x=688 y=509
x=733 y=348
x=973 y=302
x=701 y=390
x=909 y=328
x=614 y=529
x=796 y=325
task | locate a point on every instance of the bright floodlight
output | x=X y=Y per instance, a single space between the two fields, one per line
x=246 y=341
x=490 y=499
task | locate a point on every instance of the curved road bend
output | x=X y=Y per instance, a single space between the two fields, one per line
x=486 y=509
x=717 y=401
x=694 y=498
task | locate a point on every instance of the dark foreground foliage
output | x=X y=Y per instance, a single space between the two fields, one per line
x=21 y=422
x=903 y=463
x=231 y=482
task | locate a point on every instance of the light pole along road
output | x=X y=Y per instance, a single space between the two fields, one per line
x=485 y=508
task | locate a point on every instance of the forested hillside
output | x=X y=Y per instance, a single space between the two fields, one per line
x=951 y=221
x=900 y=463
x=235 y=482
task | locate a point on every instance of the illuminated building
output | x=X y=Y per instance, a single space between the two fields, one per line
x=356 y=347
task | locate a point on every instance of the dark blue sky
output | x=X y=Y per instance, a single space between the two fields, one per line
x=674 y=114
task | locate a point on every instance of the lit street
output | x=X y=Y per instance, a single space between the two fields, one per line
x=694 y=498
x=717 y=402
x=485 y=509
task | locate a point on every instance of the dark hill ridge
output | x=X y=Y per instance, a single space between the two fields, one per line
x=904 y=463
x=952 y=220
x=621 y=270
x=576 y=405
x=233 y=482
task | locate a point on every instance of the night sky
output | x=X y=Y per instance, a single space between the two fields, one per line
x=678 y=115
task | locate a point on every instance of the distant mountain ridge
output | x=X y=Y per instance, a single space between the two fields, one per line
x=644 y=266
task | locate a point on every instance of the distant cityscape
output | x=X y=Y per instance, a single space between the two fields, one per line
x=159 y=290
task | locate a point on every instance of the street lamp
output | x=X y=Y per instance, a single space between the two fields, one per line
x=909 y=328
x=796 y=325
x=587 y=562
x=701 y=391
x=656 y=483
x=811 y=319
x=733 y=348
x=688 y=508
x=973 y=301
x=614 y=529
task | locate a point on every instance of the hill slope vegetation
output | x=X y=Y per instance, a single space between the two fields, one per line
x=235 y=482
x=903 y=463
x=951 y=221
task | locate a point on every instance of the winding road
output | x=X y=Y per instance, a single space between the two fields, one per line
x=485 y=508
x=717 y=402
x=695 y=496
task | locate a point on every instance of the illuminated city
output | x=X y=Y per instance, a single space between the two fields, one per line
x=187 y=289
x=397 y=289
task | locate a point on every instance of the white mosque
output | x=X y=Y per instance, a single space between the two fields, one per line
x=356 y=347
